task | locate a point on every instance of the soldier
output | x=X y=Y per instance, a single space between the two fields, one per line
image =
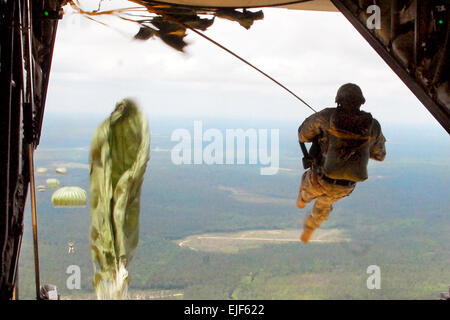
x=344 y=139
x=71 y=247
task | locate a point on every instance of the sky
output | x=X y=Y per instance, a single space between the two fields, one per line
x=312 y=53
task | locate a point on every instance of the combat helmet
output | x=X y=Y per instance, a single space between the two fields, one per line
x=350 y=94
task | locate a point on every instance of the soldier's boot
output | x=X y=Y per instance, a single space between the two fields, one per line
x=308 y=229
x=307 y=234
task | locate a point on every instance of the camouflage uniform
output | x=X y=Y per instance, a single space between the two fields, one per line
x=314 y=184
x=315 y=187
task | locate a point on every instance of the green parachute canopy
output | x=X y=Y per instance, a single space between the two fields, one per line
x=69 y=197
x=41 y=188
x=52 y=183
x=120 y=150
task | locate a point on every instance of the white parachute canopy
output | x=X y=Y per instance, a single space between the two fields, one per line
x=41 y=170
x=61 y=170
x=69 y=197
x=52 y=183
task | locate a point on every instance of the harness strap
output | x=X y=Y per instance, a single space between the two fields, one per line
x=345 y=183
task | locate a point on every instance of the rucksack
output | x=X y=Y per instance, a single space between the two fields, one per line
x=348 y=151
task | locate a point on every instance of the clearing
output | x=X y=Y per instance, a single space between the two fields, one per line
x=233 y=242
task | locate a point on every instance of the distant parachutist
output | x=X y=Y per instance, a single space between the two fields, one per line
x=71 y=247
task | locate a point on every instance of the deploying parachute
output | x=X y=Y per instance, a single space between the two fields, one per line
x=69 y=197
x=41 y=188
x=118 y=158
x=52 y=183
